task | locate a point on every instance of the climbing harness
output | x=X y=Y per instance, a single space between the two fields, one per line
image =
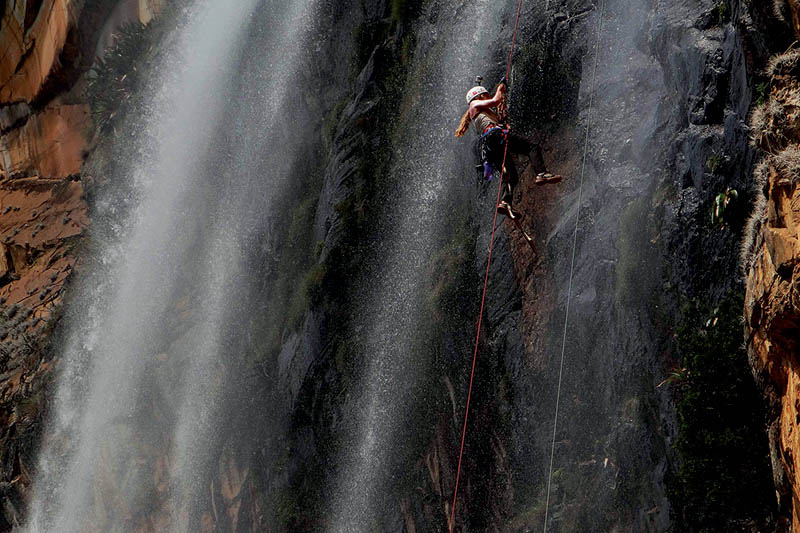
x=492 y=129
x=483 y=297
x=489 y=148
x=572 y=267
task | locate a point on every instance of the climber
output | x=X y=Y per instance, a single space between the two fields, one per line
x=486 y=112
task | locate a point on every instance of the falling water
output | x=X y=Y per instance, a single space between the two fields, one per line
x=429 y=173
x=184 y=242
x=247 y=199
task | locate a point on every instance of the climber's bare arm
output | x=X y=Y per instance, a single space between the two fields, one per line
x=479 y=105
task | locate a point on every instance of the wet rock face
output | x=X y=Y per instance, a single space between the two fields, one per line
x=667 y=134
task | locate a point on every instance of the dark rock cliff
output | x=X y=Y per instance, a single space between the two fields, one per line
x=667 y=134
x=646 y=104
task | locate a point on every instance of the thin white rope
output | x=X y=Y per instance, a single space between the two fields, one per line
x=572 y=266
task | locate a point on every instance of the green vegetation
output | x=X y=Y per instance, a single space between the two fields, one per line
x=762 y=93
x=296 y=279
x=530 y=516
x=117 y=81
x=720 y=208
x=721 y=439
x=288 y=509
x=722 y=12
x=786 y=163
x=714 y=163
x=633 y=244
x=331 y=121
x=367 y=36
x=299 y=279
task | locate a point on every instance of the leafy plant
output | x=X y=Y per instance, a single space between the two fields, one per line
x=762 y=93
x=714 y=163
x=116 y=79
x=676 y=376
x=721 y=203
x=722 y=12
x=787 y=163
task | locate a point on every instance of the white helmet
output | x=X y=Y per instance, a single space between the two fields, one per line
x=475 y=92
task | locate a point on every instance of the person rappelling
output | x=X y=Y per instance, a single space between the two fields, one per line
x=487 y=114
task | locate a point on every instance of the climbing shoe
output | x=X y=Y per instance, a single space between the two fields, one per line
x=544 y=178
x=505 y=209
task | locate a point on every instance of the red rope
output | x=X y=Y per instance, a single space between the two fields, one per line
x=483 y=296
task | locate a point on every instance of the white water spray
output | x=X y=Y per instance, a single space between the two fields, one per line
x=95 y=473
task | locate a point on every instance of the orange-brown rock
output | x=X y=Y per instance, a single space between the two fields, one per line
x=51 y=143
x=39 y=219
x=772 y=304
x=32 y=43
x=772 y=312
x=794 y=7
x=33 y=36
x=46 y=48
x=39 y=223
x=126 y=12
x=35 y=47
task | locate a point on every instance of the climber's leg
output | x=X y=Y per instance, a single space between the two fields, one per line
x=510 y=179
x=520 y=145
x=543 y=177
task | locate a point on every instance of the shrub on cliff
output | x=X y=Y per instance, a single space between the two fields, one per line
x=117 y=78
x=114 y=78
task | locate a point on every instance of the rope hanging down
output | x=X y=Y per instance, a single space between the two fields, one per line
x=572 y=268
x=485 y=285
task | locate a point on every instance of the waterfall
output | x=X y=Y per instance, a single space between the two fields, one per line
x=429 y=166
x=127 y=369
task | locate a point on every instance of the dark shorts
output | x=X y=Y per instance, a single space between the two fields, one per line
x=492 y=147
